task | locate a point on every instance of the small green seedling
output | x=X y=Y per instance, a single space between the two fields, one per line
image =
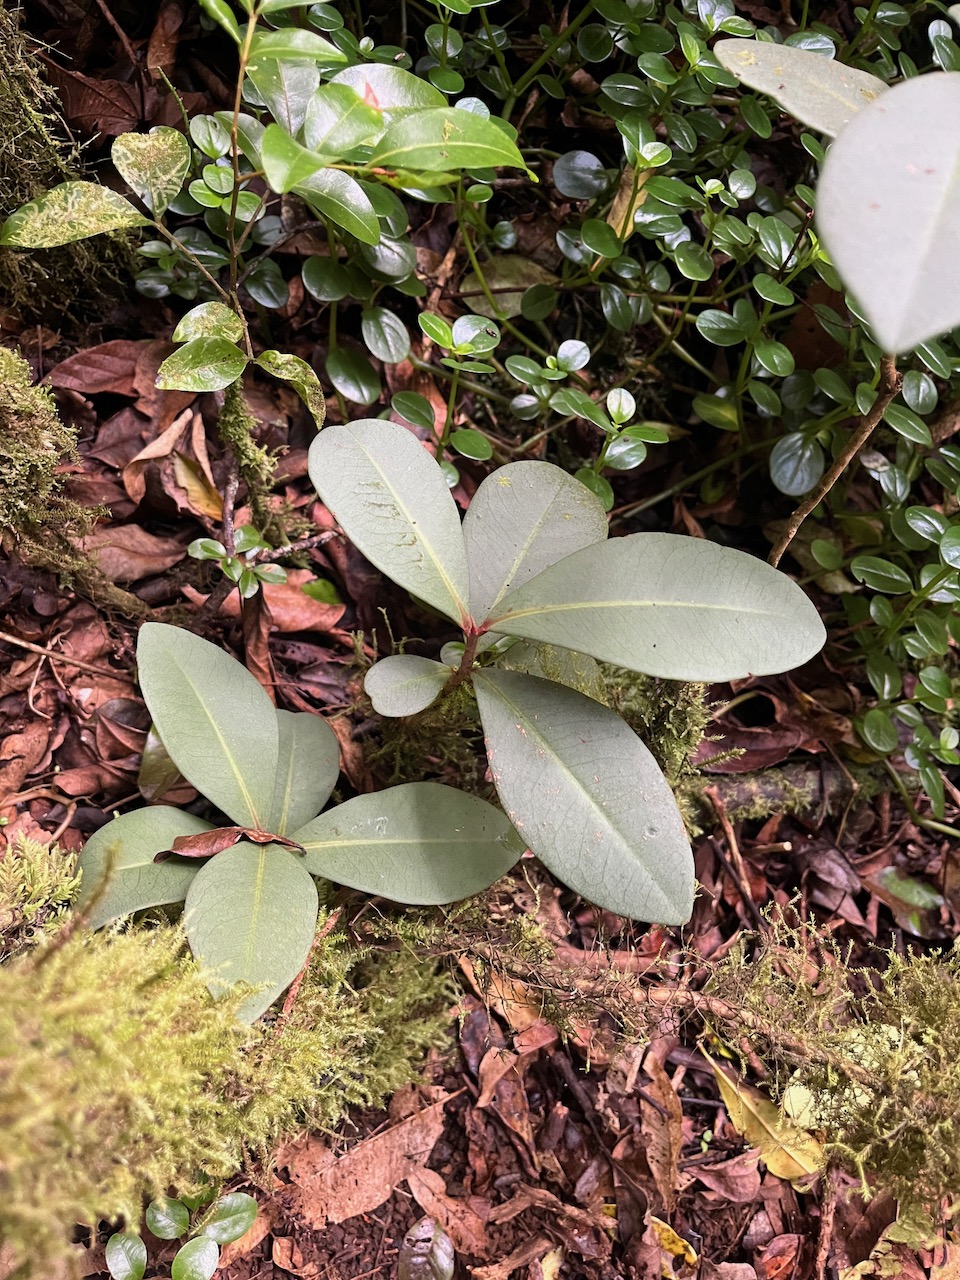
x=241 y=567
x=529 y=571
x=250 y=900
x=168 y=1219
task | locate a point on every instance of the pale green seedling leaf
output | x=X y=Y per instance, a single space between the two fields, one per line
x=308 y=771
x=123 y=851
x=391 y=90
x=338 y=119
x=670 y=606
x=196 y=1260
x=215 y=720
x=888 y=209
x=340 y=198
x=154 y=164
x=126 y=1256
x=445 y=138
x=392 y=501
x=68 y=212
x=525 y=517
x=302 y=378
x=285 y=162
x=286 y=88
x=209 y=320
x=420 y=843
x=404 y=684
x=818 y=91
x=587 y=796
x=250 y=916
x=233 y=1216
x=204 y=364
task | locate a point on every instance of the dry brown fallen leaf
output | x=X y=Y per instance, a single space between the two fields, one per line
x=663 y=1131
x=327 y=1188
x=459 y=1219
x=788 y=1151
x=126 y=553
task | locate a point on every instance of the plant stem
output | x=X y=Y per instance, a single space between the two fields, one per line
x=531 y=73
x=891 y=381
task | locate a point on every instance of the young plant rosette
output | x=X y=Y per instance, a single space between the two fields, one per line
x=249 y=894
x=530 y=575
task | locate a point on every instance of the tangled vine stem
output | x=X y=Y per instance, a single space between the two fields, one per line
x=891 y=380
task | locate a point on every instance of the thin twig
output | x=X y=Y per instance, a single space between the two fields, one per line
x=59 y=657
x=891 y=381
x=737 y=868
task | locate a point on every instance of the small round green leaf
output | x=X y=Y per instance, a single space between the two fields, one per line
x=197 y=1260
x=879 y=731
x=204 y=364
x=233 y=1216
x=126 y=1256
x=167 y=1219
x=404 y=684
x=796 y=463
x=385 y=335
x=209 y=320
x=472 y=444
x=353 y=375
x=881 y=575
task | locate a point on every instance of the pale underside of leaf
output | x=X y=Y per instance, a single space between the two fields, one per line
x=393 y=503
x=250 y=916
x=68 y=212
x=819 y=92
x=404 y=684
x=216 y=721
x=420 y=843
x=888 y=209
x=307 y=773
x=118 y=868
x=670 y=606
x=587 y=796
x=523 y=518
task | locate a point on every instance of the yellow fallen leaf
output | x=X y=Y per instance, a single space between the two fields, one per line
x=674 y=1244
x=788 y=1151
x=630 y=196
x=550 y=1263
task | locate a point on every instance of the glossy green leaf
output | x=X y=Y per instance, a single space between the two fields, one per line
x=670 y=606
x=294 y=44
x=285 y=162
x=881 y=575
x=389 y=89
x=209 y=320
x=203 y=364
x=890 y=192
x=308 y=770
x=250 y=916
x=286 y=87
x=523 y=518
x=445 y=138
x=404 y=684
x=879 y=731
x=166 y=1218
x=302 y=378
x=154 y=164
x=420 y=843
x=392 y=501
x=385 y=334
x=818 y=91
x=233 y=1215
x=214 y=718
x=68 y=212
x=222 y=14
x=353 y=375
x=122 y=851
x=796 y=463
x=338 y=120
x=587 y=796
x=196 y=1260
x=126 y=1256
x=337 y=196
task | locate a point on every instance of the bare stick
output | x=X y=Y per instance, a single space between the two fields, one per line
x=890 y=383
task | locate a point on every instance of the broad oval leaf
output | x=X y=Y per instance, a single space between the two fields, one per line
x=890 y=193
x=293 y=44
x=233 y=1215
x=420 y=843
x=670 y=606
x=196 y=1260
x=390 y=89
x=818 y=91
x=340 y=198
x=68 y=212
x=125 y=1256
x=445 y=138
x=250 y=916
x=523 y=518
x=167 y=1218
x=392 y=501
x=301 y=377
x=286 y=88
x=338 y=120
x=404 y=684
x=587 y=796
x=124 y=850
x=209 y=320
x=285 y=162
x=204 y=364
x=215 y=720
x=308 y=770
x=154 y=164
